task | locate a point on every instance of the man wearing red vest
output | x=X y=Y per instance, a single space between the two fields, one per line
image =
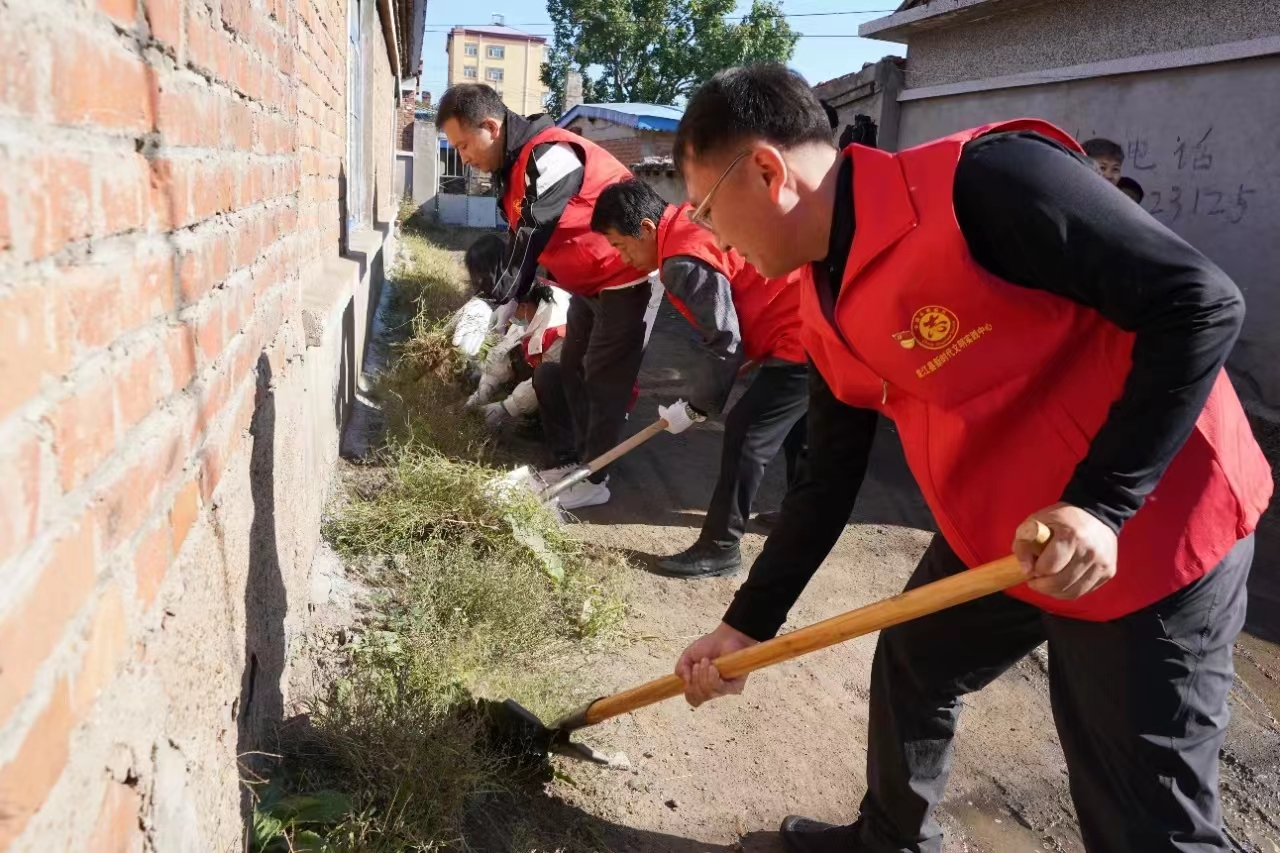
x=1046 y=350
x=742 y=316
x=548 y=180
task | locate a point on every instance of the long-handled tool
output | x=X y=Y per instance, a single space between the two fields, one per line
x=519 y=723
x=526 y=476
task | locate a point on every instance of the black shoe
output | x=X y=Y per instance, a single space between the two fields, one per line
x=769 y=519
x=806 y=835
x=702 y=561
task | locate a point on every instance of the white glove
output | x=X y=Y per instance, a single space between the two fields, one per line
x=494 y=415
x=523 y=400
x=677 y=416
x=488 y=386
x=471 y=325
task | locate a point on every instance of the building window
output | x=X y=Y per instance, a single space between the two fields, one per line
x=354 y=194
x=469 y=72
x=495 y=51
x=471 y=49
x=493 y=74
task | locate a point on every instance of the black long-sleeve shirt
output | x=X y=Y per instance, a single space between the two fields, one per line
x=708 y=296
x=1036 y=215
x=552 y=176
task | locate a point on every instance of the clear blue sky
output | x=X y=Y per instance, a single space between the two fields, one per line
x=819 y=56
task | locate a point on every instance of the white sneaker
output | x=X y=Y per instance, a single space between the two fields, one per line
x=585 y=494
x=551 y=476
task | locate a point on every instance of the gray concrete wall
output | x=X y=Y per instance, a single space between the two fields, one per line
x=873 y=92
x=1075 y=32
x=1204 y=142
x=667 y=183
x=426 y=164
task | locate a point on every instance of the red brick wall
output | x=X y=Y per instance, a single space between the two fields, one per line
x=404 y=125
x=634 y=149
x=167 y=169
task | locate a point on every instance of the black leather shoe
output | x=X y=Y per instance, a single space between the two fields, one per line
x=806 y=835
x=702 y=561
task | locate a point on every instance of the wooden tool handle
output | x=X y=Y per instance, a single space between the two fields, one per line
x=986 y=579
x=629 y=445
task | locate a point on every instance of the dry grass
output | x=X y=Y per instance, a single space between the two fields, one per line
x=477 y=594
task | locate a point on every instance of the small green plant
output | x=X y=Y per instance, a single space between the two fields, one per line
x=293 y=824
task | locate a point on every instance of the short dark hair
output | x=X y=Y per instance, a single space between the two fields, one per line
x=483 y=261
x=833 y=117
x=1099 y=147
x=1127 y=183
x=623 y=206
x=470 y=104
x=766 y=101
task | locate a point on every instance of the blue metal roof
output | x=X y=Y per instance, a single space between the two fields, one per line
x=639 y=116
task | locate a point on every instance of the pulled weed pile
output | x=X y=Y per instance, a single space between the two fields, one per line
x=475 y=594
x=423 y=393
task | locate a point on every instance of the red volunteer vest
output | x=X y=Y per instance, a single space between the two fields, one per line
x=768 y=308
x=580 y=260
x=997 y=390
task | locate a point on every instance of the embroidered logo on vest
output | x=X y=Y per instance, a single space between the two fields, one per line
x=933 y=327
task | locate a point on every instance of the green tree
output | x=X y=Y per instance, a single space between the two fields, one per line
x=656 y=51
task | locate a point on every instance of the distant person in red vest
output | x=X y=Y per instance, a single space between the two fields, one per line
x=1046 y=350
x=742 y=317
x=548 y=180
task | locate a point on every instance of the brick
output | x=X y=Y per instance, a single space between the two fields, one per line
x=209 y=333
x=26 y=780
x=151 y=563
x=106 y=301
x=123 y=12
x=186 y=506
x=226 y=180
x=123 y=191
x=117 y=828
x=18 y=87
x=182 y=117
x=180 y=348
x=165 y=19
x=137 y=390
x=123 y=505
x=212 y=400
x=31 y=630
x=169 y=194
x=95 y=82
x=83 y=430
x=20 y=489
x=33 y=329
x=6 y=229
x=204 y=196
x=57 y=195
x=104 y=648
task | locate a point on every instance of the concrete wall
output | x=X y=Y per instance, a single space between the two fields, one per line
x=872 y=91
x=1203 y=143
x=628 y=144
x=1074 y=32
x=667 y=183
x=181 y=342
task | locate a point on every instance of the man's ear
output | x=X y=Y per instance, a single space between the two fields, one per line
x=771 y=169
x=493 y=125
x=647 y=227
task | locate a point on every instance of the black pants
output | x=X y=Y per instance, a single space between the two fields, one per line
x=769 y=415
x=1140 y=705
x=603 y=347
x=553 y=410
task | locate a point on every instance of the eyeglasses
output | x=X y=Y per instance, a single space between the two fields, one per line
x=701 y=215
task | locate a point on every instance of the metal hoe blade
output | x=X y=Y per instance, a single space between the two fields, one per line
x=519 y=725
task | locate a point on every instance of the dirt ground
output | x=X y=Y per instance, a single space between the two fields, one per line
x=722 y=777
